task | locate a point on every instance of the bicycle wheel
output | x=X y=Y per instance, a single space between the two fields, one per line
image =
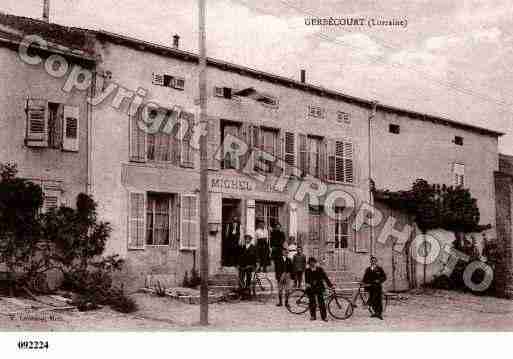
x=340 y=307
x=297 y=301
x=262 y=289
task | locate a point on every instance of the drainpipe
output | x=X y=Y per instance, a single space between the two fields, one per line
x=89 y=149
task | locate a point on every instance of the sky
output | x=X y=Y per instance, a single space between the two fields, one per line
x=452 y=59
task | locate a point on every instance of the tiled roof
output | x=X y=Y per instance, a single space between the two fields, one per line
x=83 y=40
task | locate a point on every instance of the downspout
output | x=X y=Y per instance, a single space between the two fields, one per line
x=89 y=107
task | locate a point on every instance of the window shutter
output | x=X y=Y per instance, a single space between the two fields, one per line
x=37 y=123
x=187 y=152
x=257 y=144
x=330 y=149
x=70 y=133
x=213 y=143
x=189 y=231
x=303 y=154
x=339 y=161
x=290 y=152
x=138 y=138
x=136 y=219
x=348 y=162
x=323 y=160
x=246 y=134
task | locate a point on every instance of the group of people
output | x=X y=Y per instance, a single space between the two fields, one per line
x=290 y=266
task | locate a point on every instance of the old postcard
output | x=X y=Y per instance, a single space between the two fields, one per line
x=254 y=166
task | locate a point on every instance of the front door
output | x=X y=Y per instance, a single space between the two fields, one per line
x=337 y=239
x=231 y=226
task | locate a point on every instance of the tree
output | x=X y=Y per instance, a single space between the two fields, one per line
x=20 y=203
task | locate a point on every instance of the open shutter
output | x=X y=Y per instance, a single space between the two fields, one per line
x=290 y=151
x=70 y=133
x=303 y=154
x=138 y=138
x=250 y=217
x=213 y=143
x=187 y=152
x=37 y=123
x=339 y=161
x=136 y=219
x=348 y=162
x=257 y=144
x=189 y=221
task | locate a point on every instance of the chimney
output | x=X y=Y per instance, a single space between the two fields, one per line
x=46 y=10
x=176 y=41
x=303 y=76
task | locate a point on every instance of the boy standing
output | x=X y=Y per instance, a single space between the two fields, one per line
x=315 y=278
x=299 y=266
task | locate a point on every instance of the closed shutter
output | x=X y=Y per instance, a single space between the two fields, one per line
x=187 y=152
x=290 y=152
x=70 y=133
x=257 y=144
x=189 y=231
x=136 y=219
x=339 y=161
x=303 y=154
x=37 y=123
x=137 y=138
x=348 y=162
x=213 y=143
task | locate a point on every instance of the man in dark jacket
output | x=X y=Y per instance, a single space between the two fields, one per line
x=247 y=262
x=277 y=241
x=283 y=270
x=315 y=277
x=374 y=277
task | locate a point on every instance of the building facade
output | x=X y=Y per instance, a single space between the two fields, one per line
x=143 y=169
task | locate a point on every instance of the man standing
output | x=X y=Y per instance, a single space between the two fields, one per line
x=374 y=277
x=247 y=263
x=315 y=277
x=277 y=242
x=299 y=267
x=262 y=240
x=232 y=237
x=283 y=269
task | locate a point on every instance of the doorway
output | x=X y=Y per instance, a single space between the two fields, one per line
x=231 y=225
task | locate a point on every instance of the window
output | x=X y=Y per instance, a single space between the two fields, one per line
x=395 y=129
x=314 y=156
x=154 y=219
x=161 y=219
x=268 y=100
x=168 y=81
x=231 y=160
x=268 y=213
x=340 y=162
x=458 y=140
x=316 y=111
x=290 y=152
x=342 y=229
x=343 y=117
x=315 y=227
x=53 y=125
x=459 y=174
x=165 y=143
x=225 y=92
x=52 y=195
x=268 y=142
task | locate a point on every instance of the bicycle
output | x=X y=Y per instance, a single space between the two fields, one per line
x=364 y=297
x=261 y=289
x=338 y=306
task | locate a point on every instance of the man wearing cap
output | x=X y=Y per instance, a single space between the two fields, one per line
x=374 y=277
x=315 y=277
x=247 y=262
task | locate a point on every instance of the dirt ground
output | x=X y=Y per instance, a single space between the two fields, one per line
x=433 y=311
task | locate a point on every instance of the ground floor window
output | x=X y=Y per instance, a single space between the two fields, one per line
x=314 y=223
x=342 y=230
x=161 y=219
x=267 y=213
